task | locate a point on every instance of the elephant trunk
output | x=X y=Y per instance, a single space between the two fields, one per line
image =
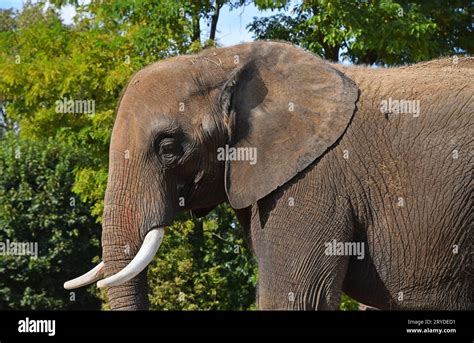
x=126 y=255
x=120 y=244
x=133 y=294
x=133 y=229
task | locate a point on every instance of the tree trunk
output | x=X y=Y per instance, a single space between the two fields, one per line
x=214 y=20
x=196 y=27
x=331 y=53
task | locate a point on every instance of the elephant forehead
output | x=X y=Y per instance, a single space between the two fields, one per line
x=164 y=83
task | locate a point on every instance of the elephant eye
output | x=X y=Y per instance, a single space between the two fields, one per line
x=167 y=147
x=169 y=150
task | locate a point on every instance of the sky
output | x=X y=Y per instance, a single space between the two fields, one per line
x=231 y=28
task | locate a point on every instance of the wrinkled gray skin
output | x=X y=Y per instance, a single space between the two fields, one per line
x=331 y=166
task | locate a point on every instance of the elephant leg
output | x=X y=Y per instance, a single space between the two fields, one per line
x=291 y=245
x=301 y=289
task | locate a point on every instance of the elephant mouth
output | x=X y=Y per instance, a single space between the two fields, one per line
x=144 y=256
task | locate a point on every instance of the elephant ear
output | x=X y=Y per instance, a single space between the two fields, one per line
x=287 y=106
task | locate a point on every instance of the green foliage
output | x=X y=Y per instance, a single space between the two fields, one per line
x=348 y=304
x=38 y=206
x=381 y=32
x=45 y=62
x=204 y=265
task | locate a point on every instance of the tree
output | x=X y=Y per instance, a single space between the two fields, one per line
x=371 y=32
x=39 y=213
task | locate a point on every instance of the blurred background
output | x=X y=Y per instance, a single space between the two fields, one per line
x=56 y=55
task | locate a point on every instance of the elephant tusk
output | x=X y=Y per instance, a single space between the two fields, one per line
x=150 y=246
x=91 y=276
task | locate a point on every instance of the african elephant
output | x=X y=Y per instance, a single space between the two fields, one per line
x=345 y=178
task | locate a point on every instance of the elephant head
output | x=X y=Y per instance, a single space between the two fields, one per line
x=177 y=119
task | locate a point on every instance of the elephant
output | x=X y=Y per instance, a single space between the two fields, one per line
x=344 y=178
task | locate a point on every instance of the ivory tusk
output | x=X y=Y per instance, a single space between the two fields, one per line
x=150 y=246
x=91 y=276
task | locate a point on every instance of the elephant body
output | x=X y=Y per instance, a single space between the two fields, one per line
x=398 y=184
x=361 y=182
